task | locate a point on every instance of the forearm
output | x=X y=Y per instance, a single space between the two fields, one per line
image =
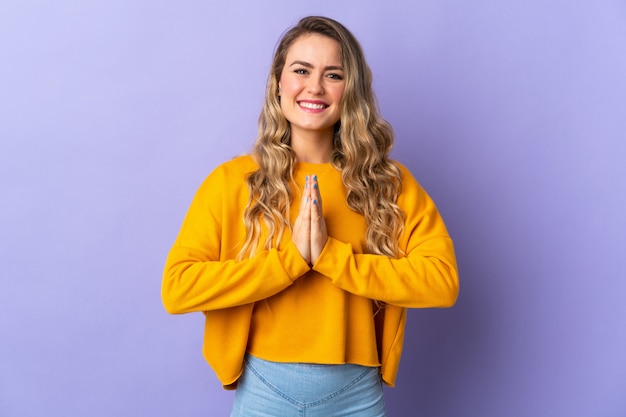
x=192 y=283
x=425 y=277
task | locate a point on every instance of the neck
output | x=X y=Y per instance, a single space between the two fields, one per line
x=314 y=148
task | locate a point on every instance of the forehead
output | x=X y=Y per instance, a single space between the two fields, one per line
x=314 y=48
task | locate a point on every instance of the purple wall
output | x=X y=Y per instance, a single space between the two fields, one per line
x=513 y=118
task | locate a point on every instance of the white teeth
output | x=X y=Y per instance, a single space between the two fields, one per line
x=312 y=105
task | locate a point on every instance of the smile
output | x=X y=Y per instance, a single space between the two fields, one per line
x=312 y=106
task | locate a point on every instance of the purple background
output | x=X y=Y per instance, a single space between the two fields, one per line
x=511 y=114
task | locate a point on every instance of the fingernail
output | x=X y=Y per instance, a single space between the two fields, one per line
x=315 y=177
x=315 y=186
x=315 y=202
x=307 y=177
x=307 y=199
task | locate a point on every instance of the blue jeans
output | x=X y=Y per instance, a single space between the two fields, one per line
x=271 y=389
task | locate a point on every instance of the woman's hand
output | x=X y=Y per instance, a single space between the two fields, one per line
x=309 y=230
x=319 y=234
x=301 y=234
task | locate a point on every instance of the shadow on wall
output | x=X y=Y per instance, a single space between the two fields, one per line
x=447 y=350
x=453 y=357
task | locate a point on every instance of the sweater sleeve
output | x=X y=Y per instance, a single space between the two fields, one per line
x=425 y=275
x=201 y=273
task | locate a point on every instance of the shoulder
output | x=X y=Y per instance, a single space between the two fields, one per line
x=229 y=176
x=408 y=180
x=412 y=193
x=239 y=165
x=233 y=171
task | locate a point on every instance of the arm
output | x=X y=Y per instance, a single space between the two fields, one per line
x=191 y=283
x=424 y=276
x=201 y=273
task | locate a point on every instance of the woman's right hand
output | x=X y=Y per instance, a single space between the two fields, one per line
x=301 y=234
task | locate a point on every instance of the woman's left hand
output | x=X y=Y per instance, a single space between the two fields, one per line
x=319 y=234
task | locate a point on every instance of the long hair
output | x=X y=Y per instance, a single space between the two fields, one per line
x=361 y=146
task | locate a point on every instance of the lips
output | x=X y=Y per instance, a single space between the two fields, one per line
x=313 y=105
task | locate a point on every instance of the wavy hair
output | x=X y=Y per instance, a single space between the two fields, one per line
x=361 y=146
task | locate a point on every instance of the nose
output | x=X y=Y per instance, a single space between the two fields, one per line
x=315 y=86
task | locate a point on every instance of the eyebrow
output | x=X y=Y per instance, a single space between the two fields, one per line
x=309 y=65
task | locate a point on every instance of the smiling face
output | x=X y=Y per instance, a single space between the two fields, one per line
x=312 y=86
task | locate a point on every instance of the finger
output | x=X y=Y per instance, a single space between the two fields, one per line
x=308 y=201
x=301 y=231
x=319 y=235
x=306 y=192
x=303 y=199
x=317 y=218
x=315 y=214
x=317 y=195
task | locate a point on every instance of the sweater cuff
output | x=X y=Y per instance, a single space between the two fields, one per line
x=332 y=257
x=294 y=264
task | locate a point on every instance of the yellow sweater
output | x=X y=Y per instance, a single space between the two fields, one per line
x=276 y=306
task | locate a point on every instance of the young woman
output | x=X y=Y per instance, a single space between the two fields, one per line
x=304 y=255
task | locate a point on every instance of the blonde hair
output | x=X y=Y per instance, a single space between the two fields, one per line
x=362 y=142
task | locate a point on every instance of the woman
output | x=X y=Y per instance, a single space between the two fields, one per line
x=305 y=254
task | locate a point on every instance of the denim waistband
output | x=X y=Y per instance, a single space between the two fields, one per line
x=308 y=384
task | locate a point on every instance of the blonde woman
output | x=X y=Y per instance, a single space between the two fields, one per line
x=305 y=254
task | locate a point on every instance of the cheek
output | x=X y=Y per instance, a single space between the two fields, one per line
x=288 y=85
x=338 y=93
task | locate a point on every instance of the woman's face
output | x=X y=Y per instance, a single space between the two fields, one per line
x=312 y=85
